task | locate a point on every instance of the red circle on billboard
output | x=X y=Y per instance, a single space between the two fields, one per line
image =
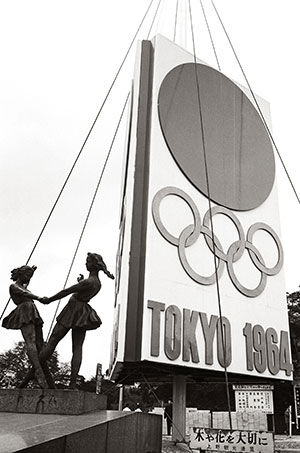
x=222 y=124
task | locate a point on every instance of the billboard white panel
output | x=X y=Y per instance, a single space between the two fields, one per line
x=179 y=301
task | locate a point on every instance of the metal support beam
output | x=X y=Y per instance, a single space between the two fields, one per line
x=179 y=408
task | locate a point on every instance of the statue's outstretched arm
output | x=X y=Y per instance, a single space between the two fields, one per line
x=16 y=291
x=72 y=289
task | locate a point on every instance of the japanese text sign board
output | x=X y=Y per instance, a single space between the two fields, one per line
x=254 y=398
x=221 y=440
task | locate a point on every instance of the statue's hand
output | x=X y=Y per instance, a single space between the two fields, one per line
x=44 y=300
x=80 y=277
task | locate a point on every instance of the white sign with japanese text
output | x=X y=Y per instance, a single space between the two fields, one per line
x=253 y=398
x=223 y=440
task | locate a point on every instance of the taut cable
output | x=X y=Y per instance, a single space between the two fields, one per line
x=257 y=104
x=211 y=219
x=83 y=145
x=153 y=20
x=90 y=210
x=210 y=36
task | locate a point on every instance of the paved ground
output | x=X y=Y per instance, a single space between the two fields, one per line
x=169 y=447
x=287 y=444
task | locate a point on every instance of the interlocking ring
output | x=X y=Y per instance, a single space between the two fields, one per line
x=191 y=233
x=188 y=236
x=261 y=266
x=207 y=220
x=242 y=289
x=182 y=256
x=156 y=216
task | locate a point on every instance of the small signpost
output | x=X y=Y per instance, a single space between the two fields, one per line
x=297 y=403
x=98 y=378
x=254 y=398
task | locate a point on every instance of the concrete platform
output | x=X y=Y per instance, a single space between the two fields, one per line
x=97 y=432
x=47 y=401
x=285 y=444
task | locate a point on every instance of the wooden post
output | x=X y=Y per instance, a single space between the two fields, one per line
x=179 y=408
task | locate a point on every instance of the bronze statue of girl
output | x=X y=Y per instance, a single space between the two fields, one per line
x=27 y=318
x=77 y=315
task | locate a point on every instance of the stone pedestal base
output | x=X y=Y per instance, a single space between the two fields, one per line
x=102 y=431
x=48 y=401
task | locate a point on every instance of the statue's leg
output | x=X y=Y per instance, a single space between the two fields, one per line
x=57 y=334
x=78 y=336
x=29 y=334
x=40 y=344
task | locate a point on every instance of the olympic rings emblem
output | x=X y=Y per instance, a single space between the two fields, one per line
x=191 y=233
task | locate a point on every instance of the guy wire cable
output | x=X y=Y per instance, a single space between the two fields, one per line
x=257 y=104
x=210 y=36
x=90 y=208
x=175 y=26
x=154 y=17
x=82 y=147
x=158 y=400
x=211 y=221
x=93 y=124
x=110 y=391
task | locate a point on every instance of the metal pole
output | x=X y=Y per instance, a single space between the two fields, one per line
x=179 y=408
x=121 y=391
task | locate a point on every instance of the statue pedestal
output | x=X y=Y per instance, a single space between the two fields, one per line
x=102 y=431
x=48 y=401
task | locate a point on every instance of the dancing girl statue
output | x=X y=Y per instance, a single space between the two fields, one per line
x=77 y=315
x=27 y=318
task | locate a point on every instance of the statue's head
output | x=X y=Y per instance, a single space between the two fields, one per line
x=23 y=273
x=95 y=261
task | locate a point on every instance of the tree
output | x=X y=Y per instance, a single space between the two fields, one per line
x=14 y=365
x=293 y=302
x=108 y=388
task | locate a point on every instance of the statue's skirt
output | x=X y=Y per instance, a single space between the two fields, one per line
x=25 y=313
x=79 y=315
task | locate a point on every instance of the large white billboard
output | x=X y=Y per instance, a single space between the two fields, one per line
x=201 y=281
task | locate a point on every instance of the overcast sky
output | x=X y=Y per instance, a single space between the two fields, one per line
x=58 y=60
